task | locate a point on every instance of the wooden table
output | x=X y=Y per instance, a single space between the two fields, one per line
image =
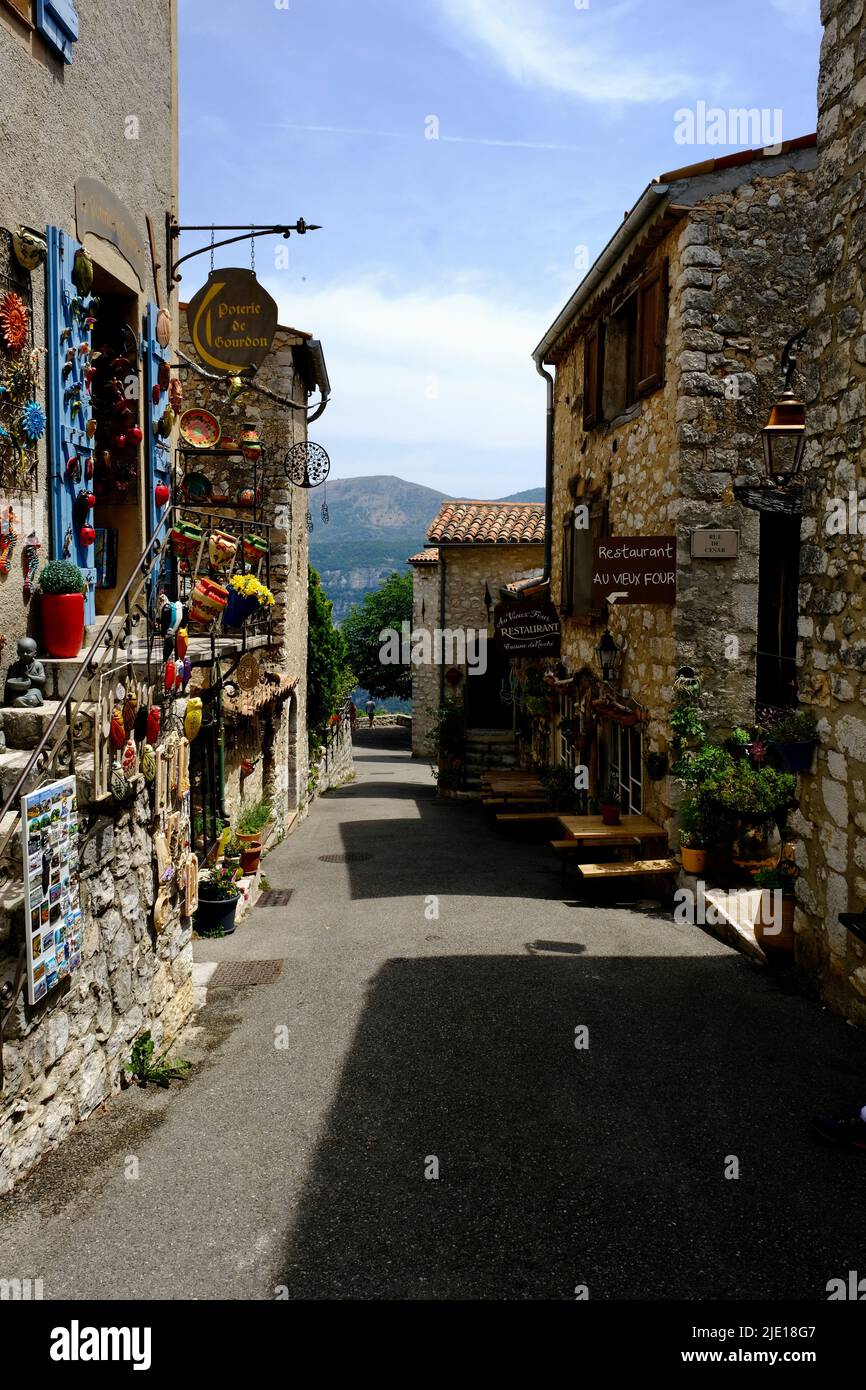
x=592 y=829
x=507 y=784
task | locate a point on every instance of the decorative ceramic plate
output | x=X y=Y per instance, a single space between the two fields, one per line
x=200 y=429
x=197 y=487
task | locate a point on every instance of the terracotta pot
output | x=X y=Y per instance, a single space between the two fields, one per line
x=694 y=860
x=250 y=858
x=62 y=624
x=609 y=814
x=776 y=938
x=249 y=840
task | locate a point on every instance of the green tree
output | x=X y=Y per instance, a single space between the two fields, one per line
x=387 y=608
x=328 y=676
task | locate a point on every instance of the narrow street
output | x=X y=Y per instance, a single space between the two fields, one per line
x=304 y=1166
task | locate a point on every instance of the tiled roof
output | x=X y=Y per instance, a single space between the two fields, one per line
x=489 y=523
x=424 y=557
x=527 y=584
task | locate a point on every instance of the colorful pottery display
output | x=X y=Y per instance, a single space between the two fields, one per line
x=197 y=487
x=255 y=549
x=222 y=549
x=199 y=429
x=251 y=445
x=207 y=602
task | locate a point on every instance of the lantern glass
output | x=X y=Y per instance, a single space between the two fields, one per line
x=784 y=438
x=607 y=652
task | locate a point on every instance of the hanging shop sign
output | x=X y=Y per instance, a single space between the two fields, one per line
x=526 y=629
x=232 y=321
x=99 y=211
x=715 y=544
x=634 y=569
x=53 y=927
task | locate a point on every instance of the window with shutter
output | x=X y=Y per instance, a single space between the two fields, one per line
x=593 y=375
x=23 y=8
x=577 y=552
x=57 y=22
x=566 y=575
x=652 y=330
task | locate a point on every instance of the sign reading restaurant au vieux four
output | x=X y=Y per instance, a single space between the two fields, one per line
x=634 y=569
x=232 y=321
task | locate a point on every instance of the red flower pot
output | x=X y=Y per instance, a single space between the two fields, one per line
x=250 y=859
x=62 y=623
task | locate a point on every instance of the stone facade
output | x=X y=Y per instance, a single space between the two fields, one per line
x=832 y=850
x=276 y=739
x=736 y=243
x=468 y=573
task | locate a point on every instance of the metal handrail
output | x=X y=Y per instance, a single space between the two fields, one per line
x=88 y=665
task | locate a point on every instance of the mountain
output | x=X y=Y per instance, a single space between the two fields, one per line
x=375 y=524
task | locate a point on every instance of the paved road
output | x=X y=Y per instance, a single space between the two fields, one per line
x=413 y=1037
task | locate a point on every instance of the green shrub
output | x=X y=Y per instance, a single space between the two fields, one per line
x=254 y=818
x=799 y=727
x=61 y=577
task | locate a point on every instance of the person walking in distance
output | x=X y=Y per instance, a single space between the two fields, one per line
x=370 y=707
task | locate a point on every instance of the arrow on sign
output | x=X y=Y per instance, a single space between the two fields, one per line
x=612 y=598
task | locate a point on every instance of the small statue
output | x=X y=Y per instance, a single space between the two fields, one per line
x=25 y=679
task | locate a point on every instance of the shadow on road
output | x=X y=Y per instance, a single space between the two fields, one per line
x=603 y=1166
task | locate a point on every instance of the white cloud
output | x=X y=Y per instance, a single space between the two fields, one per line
x=424 y=370
x=581 y=53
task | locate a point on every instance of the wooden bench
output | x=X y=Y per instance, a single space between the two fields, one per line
x=526 y=817
x=636 y=868
x=530 y=799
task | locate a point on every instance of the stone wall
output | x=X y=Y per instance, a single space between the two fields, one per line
x=64 y=1055
x=832 y=850
x=332 y=766
x=425 y=679
x=738 y=274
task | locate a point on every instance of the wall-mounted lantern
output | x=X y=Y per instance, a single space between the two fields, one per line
x=784 y=435
x=608 y=654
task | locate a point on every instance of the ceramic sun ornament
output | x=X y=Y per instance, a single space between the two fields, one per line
x=33 y=421
x=13 y=321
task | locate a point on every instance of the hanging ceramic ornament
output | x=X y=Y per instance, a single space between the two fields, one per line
x=162 y=494
x=185 y=670
x=117 y=731
x=33 y=421
x=82 y=273
x=175 y=395
x=88 y=535
x=154 y=723
x=134 y=435
x=129 y=761
x=163 y=328
x=13 y=321
x=130 y=711
x=140 y=726
x=181 y=642
x=121 y=789
x=170 y=674
x=30 y=248
x=192 y=718
x=148 y=763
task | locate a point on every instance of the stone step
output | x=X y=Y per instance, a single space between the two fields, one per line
x=62 y=671
x=25 y=727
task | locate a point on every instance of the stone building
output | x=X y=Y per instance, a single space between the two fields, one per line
x=88 y=159
x=474 y=550
x=666 y=361
x=265 y=746
x=832 y=648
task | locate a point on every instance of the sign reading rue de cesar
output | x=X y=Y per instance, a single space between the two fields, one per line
x=526 y=628
x=232 y=321
x=634 y=569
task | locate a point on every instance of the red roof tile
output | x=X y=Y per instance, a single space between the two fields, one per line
x=424 y=557
x=489 y=523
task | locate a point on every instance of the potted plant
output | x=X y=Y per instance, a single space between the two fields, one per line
x=61 y=586
x=251 y=824
x=609 y=802
x=687 y=726
x=774 y=925
x=218 y=895
x=247 y=595
x=558 y=783
x=694 y=836
x=232 y=853
x=796 y=737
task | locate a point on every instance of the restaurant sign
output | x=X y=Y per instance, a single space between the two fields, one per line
x=634 y=569
x=526 y=629
x=232 y=321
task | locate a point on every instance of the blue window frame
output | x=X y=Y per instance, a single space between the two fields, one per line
x=57 y=22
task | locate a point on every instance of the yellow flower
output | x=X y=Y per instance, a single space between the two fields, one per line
x=250 y=587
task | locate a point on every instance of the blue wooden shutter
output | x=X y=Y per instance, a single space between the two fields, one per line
x=158 y=450
x=57 y=22
x=68 y=405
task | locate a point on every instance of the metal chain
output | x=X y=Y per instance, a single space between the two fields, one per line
x=211 y=247
x=252 y=250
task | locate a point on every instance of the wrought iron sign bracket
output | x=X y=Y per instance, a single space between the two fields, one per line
x=173 y=231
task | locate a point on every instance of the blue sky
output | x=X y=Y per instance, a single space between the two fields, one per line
x=442 y=261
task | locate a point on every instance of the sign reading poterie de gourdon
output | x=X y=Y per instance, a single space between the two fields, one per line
x=634 y=569
x=232 y=321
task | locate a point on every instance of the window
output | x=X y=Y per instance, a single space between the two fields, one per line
x=625 y=766
x=778 y=580
x=577 y=546
x=57 y=22
x=624 y=354
x=593 y=375
x=23 y=8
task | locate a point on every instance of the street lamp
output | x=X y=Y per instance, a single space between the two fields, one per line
x=608 y=655
x=784 y=435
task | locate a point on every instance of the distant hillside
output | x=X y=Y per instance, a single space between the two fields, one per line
x=375 y=524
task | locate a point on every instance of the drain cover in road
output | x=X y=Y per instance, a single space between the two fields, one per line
x=275 y=897
x=237 y=974
x=354 y=857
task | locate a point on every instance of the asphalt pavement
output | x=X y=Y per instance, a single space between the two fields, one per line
x=404 y=1112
